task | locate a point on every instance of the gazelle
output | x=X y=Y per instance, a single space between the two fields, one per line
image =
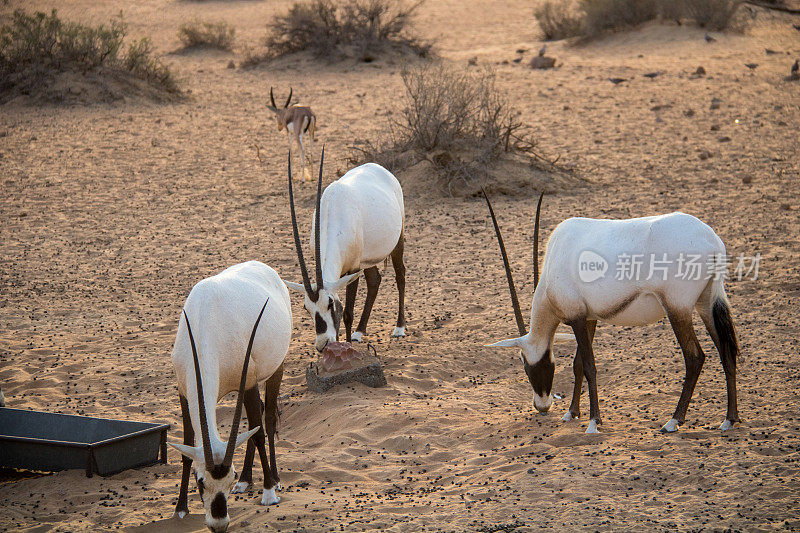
x=222 y=309
x=579 y=298
x=297 y=120
x=357 y=224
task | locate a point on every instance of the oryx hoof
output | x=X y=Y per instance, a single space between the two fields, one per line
x=569 y=416
x=269 y=497
x=592 y=427
x=181 y=514
x=399 y=332
x=356 y=336
x=726 y=425
x=670 y=427
x=240 y=487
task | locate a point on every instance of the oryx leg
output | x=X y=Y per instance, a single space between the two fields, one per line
x=694 y=357
x=182 y=508
x=728 y=365
x=581 y=329
x=400 y=277
x=577 y=370
x=254 y=409
x=271 y=479
x=349 y=306
x=373 y=278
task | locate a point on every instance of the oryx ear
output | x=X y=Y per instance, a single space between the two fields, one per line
x=563 y=337
x=242 y=437
x=192 y=452
x=345 y=280
x=294 y=286
x=510 y=343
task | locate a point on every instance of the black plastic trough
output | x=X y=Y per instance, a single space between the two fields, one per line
x=34 y=440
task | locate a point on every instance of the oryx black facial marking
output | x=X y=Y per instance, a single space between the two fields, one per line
x=319 y=324
x=201 y=487
x=219 y=507
x=541 y=374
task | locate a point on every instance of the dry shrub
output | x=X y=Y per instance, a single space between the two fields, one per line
x=199 y=33
x=363 y=28
x=34 y=49
x=612 y=15
x=456 y=120
x=559 y=19
x=715 y=15
x=597 y=17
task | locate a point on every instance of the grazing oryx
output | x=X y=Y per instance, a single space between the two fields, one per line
x=297 y=120
x=362 y=224
x=215 y=360
x=575 y=290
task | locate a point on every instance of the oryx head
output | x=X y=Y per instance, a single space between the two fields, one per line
x=216 y=479
x=280 y=114
x=537 y=360
x=321 y=302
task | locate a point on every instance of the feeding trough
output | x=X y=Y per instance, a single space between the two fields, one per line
x=34 y=440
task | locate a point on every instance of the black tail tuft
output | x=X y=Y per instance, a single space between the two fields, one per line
x=729 y=347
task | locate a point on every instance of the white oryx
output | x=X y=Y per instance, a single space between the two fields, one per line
x=212 y=357
x=297 y=120
x=361 y=225
x=578 y=290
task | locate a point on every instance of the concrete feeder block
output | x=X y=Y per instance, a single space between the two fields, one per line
x=340 y=363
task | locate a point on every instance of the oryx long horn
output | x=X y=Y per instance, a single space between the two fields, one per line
x=288 y=100
x=536 y=244
x=512 y=290
x=303 y=270
x=201 y=405
x=237 y=414
x=272 y=98
x=317 y=252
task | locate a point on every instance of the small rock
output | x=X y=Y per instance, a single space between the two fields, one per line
x=700 y=71
x=786 y=207
x=231 y=64
x=540 y=62
x=689 y=112
x=705 y=154
x=472 y=61
x=617 y=81
x=771 y=52
x=650 y=75
x=747 y=179
x=715 y=103
x=521 y=50
x=715 y=127
x=517 y=60
x=724 y=139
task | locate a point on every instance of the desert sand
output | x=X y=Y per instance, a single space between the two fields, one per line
x=111 y=212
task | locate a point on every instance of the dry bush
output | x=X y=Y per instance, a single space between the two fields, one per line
x=715 y=15
x=612 y=15
x=363 y=28
x=34 y=49
x=199 y=33
x=457 y=120
x=559 y=20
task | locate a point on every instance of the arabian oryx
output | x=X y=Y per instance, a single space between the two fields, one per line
x=212 y=357
x=298 y=120
x=360 y=225
x=579 y=296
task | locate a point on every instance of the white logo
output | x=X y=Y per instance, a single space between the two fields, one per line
x=591 y=266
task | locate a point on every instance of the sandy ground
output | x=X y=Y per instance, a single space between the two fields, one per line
x=110 y=213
